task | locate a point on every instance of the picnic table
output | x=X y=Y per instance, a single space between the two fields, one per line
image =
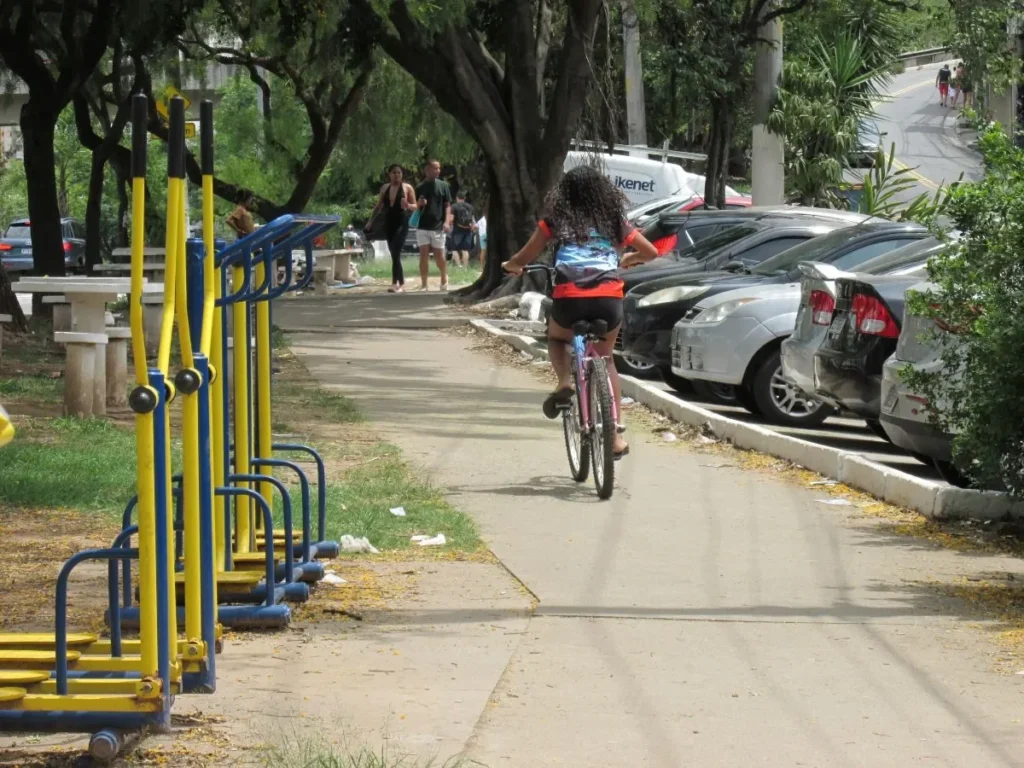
x=152 y=270
x=86 y=370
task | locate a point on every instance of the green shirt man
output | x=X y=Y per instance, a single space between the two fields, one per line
x=434 y=198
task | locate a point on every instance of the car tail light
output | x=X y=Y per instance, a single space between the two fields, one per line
x=6 y=247
x=822 y=307
x=873 y=318
x=67 y=247
x=665 y=244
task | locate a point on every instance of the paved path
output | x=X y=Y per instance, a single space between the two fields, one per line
x=705 y=616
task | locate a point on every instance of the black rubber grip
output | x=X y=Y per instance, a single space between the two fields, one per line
x=176 y=140
x=140 y=117
x=206 y=136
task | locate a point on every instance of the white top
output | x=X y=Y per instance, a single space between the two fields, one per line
x=66 y=285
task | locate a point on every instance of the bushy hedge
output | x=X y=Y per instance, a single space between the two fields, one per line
x=980 y=298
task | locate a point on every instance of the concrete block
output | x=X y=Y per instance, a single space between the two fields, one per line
x=965 y=504
x=117 y=367
x=862 y=474
x=61 y=317
x=908 y=491
x=823 y=459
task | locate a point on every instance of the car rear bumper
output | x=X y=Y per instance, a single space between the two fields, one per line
x=718 y=352
x=798 y=362
x=844 y=381
x=918 y=437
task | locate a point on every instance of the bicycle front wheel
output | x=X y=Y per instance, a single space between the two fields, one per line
x=602 y=427
x=577 y=447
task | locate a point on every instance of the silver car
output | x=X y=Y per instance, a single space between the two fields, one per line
x=734 y=338
x=907 y=415
x=818 y=300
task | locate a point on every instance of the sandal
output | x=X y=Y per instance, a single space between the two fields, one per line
x=556 y=401
x=623 y=452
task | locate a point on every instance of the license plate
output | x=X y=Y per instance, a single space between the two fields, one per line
x=26 y=251
x=890 y=401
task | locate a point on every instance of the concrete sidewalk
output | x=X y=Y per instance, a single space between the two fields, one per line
x=705 y=616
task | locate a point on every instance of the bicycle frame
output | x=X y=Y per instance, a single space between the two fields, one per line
x=582 y=353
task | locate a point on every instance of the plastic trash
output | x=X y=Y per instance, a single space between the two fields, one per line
x=398 y=511
x=366 y=280
x=835 y=502
x=332 y=578
x=669 y=437
x=351 y=545
x=628 y=401
x=430 y=541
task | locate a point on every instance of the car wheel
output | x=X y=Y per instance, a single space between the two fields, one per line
x=782 y=403
x=631 y=366
x=745 y=397
x=678 y=383
x=876 y=426
x=715 y=392
x=948 y=472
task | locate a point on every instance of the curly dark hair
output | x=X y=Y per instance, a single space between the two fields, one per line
x=585 y=201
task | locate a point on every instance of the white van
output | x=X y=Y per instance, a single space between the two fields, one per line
x=643 y=180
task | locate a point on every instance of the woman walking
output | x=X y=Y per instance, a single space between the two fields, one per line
x=397 y=199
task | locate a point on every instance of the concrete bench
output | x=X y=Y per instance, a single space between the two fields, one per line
x=85 y=379
x=61 y=312
x=117 y=366
x=155 y=272
x=3 y=319
x=323 y=275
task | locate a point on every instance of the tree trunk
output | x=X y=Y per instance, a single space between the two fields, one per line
x=9 y=303
x=511 y=220
x=122 y=205
x=93 y=212
x=37 y=129
x=718 y=152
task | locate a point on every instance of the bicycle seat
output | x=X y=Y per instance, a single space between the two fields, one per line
x=597 y=328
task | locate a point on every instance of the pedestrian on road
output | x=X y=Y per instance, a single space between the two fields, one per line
x=434 y=199
x=942 y=83
x=398 y=201
x=586 y=219
x=462 y=232
x=240 y=220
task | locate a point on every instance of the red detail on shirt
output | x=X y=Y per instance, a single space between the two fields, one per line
x=612 y=289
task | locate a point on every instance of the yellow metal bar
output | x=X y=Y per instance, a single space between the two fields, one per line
x=106 y=686
x=138 y=249
x=181 y=285
x=170 y=272
x=190 y=502
x=217 y=416
x=172 y=610
x=146 y=463
x=206 y=333
x=263 y=422
x=243 y=505
x=87 y=702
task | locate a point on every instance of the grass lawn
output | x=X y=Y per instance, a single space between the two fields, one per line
x=381 y=270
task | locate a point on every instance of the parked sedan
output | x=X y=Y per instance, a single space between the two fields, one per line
x=652 y=308
x=16 y=246
x=907 y=415
x=862 y=335
x=733 y=339
x=818 y=301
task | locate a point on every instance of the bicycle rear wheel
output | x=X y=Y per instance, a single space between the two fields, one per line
x=602 y=427
x=577 y=447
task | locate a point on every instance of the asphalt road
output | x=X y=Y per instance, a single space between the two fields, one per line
x=924 y=132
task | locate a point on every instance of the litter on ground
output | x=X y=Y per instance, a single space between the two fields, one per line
x=669 y=437
x=352 y=544
x=332 y=578
x=430 y=541
x=835 y=502
x=398 y=511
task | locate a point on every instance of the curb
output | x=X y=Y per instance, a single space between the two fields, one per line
x=935 y=501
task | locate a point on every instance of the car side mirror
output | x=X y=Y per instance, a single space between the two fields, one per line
x=735 y=266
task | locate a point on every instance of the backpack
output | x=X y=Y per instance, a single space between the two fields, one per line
x=587 y=263
x=463 y=215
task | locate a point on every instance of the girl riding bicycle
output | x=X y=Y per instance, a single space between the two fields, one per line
x=586 y=219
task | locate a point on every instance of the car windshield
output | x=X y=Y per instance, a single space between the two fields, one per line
x=812 y=250
x=709 y=245
x=18 y=232
x=915 y=253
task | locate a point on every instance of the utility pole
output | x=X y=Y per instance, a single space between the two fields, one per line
x=769 y=180
x=636 y=118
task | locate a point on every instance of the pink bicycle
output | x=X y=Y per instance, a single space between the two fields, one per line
x=591 y=418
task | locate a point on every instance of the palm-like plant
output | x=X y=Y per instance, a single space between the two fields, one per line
x=819 y=111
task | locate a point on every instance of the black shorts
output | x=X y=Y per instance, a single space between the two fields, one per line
x=565 y=312
x=462 y=239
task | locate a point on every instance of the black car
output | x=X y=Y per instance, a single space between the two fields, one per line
x=708 y=240
x=863 y=334
x=652 y=308
x=16 y=245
